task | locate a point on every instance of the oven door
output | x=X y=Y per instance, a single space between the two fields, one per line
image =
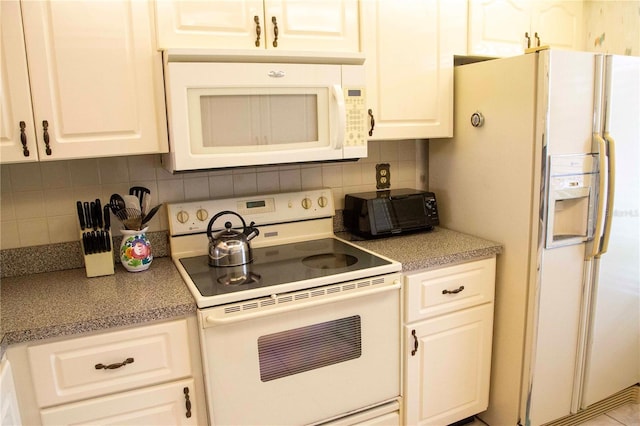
x=303 y=360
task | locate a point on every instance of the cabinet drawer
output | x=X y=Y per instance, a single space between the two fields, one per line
x=74 y=369
x=444 y=290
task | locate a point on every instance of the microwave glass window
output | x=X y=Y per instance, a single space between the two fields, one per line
x=258 y=120
x=307 y=348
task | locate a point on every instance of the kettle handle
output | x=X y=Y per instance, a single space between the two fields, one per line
x=222 y=213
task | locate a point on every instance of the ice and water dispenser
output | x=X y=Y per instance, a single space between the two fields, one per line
x=573 y=192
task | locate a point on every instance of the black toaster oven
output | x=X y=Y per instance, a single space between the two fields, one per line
x=396 y=211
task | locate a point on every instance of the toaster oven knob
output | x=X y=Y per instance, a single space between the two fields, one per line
x=182 y=216
x=202 y=215
x=322 y=201
x=306 y=203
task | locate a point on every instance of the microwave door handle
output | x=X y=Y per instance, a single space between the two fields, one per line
x=342 y=116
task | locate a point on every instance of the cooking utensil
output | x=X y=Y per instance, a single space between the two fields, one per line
x=139 y=192
x=230 y=247
x=131 y=202
x=147 y=217
x=131 y=218
x=116 y=202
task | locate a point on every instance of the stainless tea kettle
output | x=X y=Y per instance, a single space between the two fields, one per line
x=230 y=247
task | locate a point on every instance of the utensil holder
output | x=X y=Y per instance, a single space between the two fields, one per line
x=135 y=250
x=97 y=263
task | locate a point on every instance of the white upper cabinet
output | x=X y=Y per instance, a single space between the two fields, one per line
x=409 y=68
x=508 y=27
x=94 y=75
x=302 y=25
x=17 y=130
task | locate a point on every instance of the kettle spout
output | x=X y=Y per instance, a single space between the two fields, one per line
x=251 y=232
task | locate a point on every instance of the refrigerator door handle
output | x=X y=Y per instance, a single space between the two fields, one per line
x=611 y=185
x=600 y=211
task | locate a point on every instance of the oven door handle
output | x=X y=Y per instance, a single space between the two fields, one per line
x=211 y=320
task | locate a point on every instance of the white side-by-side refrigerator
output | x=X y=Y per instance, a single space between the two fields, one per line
x=545 y=159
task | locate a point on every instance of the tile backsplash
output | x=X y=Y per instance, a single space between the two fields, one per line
x=38 y=200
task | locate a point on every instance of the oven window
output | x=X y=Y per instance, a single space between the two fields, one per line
x=302 y=349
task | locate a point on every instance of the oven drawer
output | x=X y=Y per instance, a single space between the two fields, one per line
x=86 y=367
x=439 y=291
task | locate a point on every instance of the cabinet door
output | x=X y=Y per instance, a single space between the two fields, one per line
x=9 y=411
x=96 y=79
x=227 y=24
x=311 y=25
x=558 y=23
x=447 y=377
x=409 y=70
x=498 y=27
x=15 y=102
x=169 y=404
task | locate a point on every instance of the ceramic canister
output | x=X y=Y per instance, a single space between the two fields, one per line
x=135 y=250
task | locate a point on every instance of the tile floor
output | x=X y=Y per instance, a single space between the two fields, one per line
x=625 y=415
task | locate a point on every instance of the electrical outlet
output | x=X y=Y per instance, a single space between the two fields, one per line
x=383 y=176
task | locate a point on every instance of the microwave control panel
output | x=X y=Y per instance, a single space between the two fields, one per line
x=356 y=121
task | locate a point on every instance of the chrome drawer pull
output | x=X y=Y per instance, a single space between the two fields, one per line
x=456 y=291
x=114 y=366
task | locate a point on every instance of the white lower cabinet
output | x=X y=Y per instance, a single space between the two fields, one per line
x=168 y=404
x=9 y=410
x=448 y=334
x=145 y=375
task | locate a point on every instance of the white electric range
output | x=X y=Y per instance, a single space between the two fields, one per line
x=309 y=331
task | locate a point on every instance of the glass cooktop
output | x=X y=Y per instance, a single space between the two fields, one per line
x=280 y=264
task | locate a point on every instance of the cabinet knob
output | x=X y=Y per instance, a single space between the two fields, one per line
x=275 y=31
x=256 y=19
x=114 y=366
x=415 y=343
x=45 y=136
x=23 y=139
x=187 y=402
x=456 y=291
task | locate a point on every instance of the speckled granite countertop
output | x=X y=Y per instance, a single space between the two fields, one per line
x=429 y=249
x=64 y=303
x=61 y=303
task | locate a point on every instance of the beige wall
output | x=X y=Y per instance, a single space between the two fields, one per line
x=38 y=201
x=612 y=26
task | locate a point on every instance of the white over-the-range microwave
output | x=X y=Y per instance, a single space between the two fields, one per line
x=231 y=114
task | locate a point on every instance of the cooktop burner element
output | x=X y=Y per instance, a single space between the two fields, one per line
x=280 y=264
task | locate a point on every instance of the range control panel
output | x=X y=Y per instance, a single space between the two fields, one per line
x=193 y=217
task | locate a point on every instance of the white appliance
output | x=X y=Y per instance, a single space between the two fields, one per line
x=546 y=160
x=230 y=114
x=308 y=332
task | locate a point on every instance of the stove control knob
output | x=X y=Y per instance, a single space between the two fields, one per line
x=322 y=201
x=306 y=203
x=182 y=216
x=202 y=215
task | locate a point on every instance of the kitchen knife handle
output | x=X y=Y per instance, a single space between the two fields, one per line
x=98 y=212
x=92 y=212
x=80 y=214
x=107 y=241
x=87 y=215
x=107 y=218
